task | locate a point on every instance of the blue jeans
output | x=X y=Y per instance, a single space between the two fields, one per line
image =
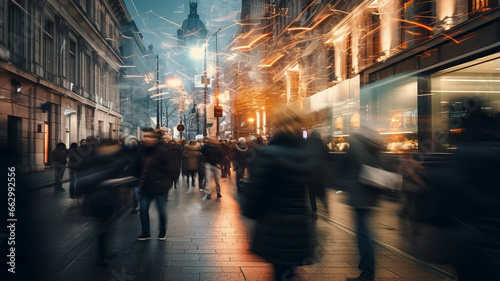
x=161 y=204
x=215 y=172
x=365 y=244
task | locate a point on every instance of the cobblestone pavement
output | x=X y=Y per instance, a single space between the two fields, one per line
x=206 y=240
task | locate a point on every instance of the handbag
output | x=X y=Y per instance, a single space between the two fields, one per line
x=380 y=178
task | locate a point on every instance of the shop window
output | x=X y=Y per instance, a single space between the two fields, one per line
x=391 y=109
x=460 y=90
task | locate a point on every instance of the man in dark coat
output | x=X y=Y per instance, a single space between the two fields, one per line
x=59 y=160
x=316 y=187
x=213 y=154
x=242 y=155
x=276 y=197
x=471 y=199
x=365 y=148
x=157 y=172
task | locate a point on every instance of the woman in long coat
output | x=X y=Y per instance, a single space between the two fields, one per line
x=276 y=197
x=191 y=155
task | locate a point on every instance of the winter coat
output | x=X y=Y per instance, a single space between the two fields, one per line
x=163 y=169
x=363 y=150
x=472 y=199
x=59 y=155
x=242 y=155
x=212 y=153
x=192 y=154
x=276 y=197
x=175 y=156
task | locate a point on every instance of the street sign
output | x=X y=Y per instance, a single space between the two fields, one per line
x=180 y=127
x=205 y=80
x=217 y=111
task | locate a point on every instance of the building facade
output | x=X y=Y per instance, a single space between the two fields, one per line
x=137 y=77
x=59 y=74
x=406 y=68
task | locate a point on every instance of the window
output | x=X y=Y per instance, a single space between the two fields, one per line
x=331 y=65
x=72 y=62
x=48 y=49
x=480 y=5
x=88 y=74
x=103 y=23
x=348 y=55
x=16 y=30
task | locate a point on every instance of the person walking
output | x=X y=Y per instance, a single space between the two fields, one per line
x=226 y=160
x=469 y=199
x=276 y=197
x=191 y=155
x=74 y=161
x=365 y=147
x=316 y=187
x=212 y=153
x=156 y=171
x=242 y=155
x=59 y=160
x=131 y=149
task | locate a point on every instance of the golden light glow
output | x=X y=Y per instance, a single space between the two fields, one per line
x=272 y=60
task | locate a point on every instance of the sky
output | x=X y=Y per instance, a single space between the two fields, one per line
x=159 y=20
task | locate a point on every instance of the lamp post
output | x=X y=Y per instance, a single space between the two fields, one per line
x=205 y=93
x=157 y=92
x=217 y=77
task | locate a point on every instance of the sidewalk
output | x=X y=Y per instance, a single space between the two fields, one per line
x=44 y=179
x=206 y=240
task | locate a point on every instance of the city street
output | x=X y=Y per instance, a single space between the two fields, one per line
x=209 y=240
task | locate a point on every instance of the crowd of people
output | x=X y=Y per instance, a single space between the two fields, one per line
x=280 y=180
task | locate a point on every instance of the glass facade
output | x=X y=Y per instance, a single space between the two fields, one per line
x=391 y=108
x=459 y=90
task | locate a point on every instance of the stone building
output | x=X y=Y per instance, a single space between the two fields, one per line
x=403 y=67
x=59 y=74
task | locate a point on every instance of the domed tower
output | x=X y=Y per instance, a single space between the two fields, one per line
x=192 y=30
x=192 y=34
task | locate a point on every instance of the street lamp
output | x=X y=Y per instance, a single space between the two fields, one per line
x=196 y=54
x=157 y=92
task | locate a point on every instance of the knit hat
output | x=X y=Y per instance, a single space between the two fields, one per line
x=242 y=141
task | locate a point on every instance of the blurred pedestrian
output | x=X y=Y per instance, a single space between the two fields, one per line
x=276 y=197
x=157 y=172
x=74 y=160
x=242 y=155
x=413 y=186
x=316 y=187
x=212 y=153
x=191 y=155
x=365 y=148
x=175 y=152
x=201 y=168
x=226 y=160
x=131 y=148
x=59 y=160
x=106 y=161
x=470 y=200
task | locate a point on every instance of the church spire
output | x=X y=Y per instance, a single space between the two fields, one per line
x=193 y=8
